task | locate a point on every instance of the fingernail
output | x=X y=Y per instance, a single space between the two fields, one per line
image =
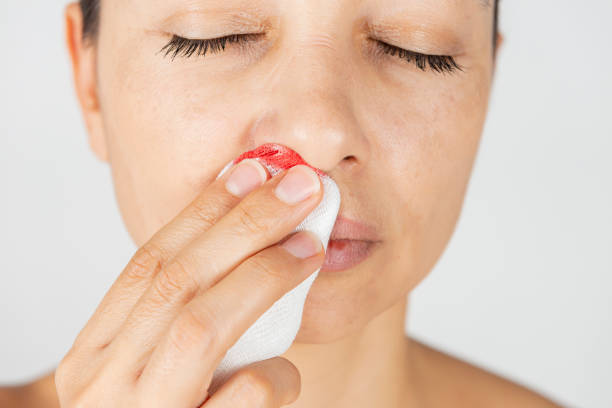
x=302 y=245
x=247 y=176
x=298 y=184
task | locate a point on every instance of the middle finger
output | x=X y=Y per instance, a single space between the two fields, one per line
x=258 y=221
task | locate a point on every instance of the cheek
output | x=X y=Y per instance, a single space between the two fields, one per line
x=429 y=147
x=161 y=128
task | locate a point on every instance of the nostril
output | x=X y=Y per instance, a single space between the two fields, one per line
x=350 y=160
x=349 y=163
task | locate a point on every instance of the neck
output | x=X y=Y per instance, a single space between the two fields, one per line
x=370 y=367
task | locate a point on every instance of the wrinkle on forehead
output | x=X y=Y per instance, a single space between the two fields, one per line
x=482 y=3
x=256 y=14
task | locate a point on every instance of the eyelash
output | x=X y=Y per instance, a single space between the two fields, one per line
x=438 y=63
x=186 y=47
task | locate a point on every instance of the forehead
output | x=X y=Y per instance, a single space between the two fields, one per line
x=461 y=18
x=481 y=5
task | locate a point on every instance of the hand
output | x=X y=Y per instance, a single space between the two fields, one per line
x=189 y=293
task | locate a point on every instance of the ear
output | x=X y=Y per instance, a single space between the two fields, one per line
x=83 y=58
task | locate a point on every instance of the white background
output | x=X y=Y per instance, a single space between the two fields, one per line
x=523 y=289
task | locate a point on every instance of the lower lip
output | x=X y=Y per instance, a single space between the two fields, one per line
x=343 y=254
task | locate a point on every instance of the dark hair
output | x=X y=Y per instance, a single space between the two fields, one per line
x=91 y=20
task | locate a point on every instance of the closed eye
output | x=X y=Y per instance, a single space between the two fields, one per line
x=186 y=47
x=437 y=63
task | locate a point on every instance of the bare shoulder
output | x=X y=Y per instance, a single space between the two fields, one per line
x=450 y=381
x=39 y=393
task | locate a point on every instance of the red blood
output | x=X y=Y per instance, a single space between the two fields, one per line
x=279 y=156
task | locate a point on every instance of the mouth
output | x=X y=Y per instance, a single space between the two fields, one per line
x=350 y=243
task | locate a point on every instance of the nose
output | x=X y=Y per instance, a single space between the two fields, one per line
x=310 y=110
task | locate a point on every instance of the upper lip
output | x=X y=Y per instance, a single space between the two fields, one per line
x=347 y=228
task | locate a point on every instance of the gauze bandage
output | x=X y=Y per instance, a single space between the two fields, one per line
x=274 y=331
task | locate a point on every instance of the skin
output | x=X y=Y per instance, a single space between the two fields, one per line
x=376 y=124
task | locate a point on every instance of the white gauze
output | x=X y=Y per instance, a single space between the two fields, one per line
x=274 y=331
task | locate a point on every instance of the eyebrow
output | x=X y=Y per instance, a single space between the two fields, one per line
x=485 y=3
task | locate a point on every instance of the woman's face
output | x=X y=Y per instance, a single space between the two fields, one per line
x=400 y=142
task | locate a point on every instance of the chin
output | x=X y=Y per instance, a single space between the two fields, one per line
x=320 y=325
x=339 y=305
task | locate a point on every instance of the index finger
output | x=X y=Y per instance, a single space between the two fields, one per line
x=203 y=212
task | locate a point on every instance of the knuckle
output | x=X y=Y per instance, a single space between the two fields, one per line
x=267 y=268
x=255 y=387
x=82 y=400
x=66 y=364
x=250 y=219
x=76 y=388
x=80 y=341
x=195 y=329
x=174 y=281
x=66 y=376
x=62 y=372
x=202 y=211
x=88 y=397
x=145 y=262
